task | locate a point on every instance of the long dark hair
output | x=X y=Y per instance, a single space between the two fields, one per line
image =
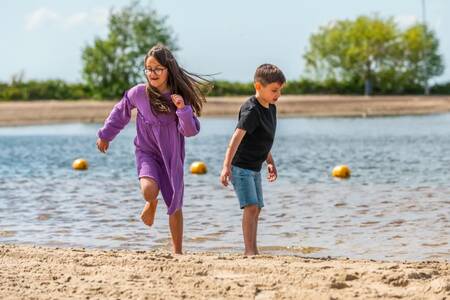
x=191 y=87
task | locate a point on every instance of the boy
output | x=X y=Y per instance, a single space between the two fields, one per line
x=250 y=146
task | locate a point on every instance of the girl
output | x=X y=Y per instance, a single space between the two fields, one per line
x=167 y=107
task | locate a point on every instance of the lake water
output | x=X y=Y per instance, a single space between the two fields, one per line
x=395 y=206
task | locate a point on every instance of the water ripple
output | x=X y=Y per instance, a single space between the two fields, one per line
x=395 y=206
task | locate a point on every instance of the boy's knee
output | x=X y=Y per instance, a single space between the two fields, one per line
x=252 y=209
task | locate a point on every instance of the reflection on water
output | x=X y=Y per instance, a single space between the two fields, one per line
x=395 y=206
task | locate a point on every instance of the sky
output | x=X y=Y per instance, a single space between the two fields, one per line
x=44 y=38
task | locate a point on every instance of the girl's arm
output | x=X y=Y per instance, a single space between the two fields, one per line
x=118 y=118
x=235 y=141
x=188 y=124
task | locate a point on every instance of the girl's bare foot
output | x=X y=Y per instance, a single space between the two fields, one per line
x=148 y=213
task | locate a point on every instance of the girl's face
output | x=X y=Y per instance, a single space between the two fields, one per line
x=157 y=74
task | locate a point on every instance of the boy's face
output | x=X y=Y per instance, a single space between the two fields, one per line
x=270 y=92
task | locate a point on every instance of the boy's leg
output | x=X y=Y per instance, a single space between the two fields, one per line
x=256 y=231
x=243 y=181
x=259 y=193
x=176 y=229
x=249 y=228
x=150 y=190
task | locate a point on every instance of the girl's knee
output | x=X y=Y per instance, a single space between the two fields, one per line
x=177 y=214
x=150 y=193
x=149 y=189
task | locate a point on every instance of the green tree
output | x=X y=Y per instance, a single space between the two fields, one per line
x=420 y=47
x=114 y=64
x=372 y=50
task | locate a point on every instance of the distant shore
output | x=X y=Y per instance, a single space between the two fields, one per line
x=47 y=112
x=30 y=272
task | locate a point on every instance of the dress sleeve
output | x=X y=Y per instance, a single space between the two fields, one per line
x=188 y=123
x=119 y=117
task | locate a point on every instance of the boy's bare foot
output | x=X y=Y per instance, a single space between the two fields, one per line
x=250 y=253
x=148 y=213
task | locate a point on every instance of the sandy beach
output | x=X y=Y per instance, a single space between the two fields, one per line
x=56 y=273
x=44 y=112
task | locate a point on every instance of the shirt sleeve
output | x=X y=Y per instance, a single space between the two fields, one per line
x=188 y=123
x=248 y=120
x=118 y=118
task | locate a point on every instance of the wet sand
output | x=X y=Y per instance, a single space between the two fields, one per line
x=44 y=112
x=53 y=273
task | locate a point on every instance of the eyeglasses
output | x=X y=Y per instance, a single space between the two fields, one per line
x=157 y=71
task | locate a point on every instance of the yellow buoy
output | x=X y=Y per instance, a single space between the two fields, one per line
x=80 y=164
x=198 y=167
x=342 y=171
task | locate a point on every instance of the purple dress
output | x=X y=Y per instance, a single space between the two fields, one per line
x=159 y=141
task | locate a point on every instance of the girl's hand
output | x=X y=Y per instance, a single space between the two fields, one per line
x=178 y=101
x=102 y=145
x=225 y=176
x=272 y=175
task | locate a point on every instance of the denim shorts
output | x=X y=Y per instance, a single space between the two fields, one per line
x=247 y=185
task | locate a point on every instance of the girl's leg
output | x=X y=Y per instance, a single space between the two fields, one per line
x=176 y=229
x=249 y=228
x=150 y=190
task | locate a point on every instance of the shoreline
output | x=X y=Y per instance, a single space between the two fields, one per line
x=19 y=113
x=44 y=272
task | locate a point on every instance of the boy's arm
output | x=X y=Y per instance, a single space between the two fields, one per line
x=236 y=139
x=272 y=170
x=269 y=159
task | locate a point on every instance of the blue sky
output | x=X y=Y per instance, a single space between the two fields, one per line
x=44 y=39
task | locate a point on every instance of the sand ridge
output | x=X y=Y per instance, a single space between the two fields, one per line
x=45 y=112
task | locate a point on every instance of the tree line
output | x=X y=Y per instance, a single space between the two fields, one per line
x=369 y=55
x=60 y=90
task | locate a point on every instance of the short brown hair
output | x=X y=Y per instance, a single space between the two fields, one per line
x=268 y=73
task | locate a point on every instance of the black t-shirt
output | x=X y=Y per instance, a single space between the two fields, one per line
x=260 y=124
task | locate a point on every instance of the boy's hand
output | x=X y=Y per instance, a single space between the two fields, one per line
x=225 y=176
x=178 y=101
x=272 y=172
x=102 y=145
